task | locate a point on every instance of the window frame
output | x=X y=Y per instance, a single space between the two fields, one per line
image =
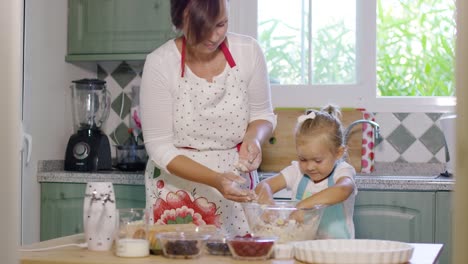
x=243 y=20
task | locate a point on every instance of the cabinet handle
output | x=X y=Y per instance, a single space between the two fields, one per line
x=62 y=195
x=156 y=5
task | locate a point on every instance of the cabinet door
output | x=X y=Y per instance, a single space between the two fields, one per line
x=443 y=230
x=61 y=209
x=398 y=216
x=117 y=26
x=62 y=206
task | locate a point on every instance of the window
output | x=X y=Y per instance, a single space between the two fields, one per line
x=384 y=55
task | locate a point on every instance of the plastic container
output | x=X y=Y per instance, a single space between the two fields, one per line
x=217 y=245
x=251 y=247
x=186 y=245
x=155 y=229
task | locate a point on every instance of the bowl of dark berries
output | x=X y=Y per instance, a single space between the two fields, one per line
x=217 y=245
x=184 y=245
x=250 y=247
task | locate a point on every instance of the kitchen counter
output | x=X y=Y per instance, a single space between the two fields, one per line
x=387 y=176
x=423 y=253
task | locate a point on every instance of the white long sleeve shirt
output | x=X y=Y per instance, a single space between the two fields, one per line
x=162 y=77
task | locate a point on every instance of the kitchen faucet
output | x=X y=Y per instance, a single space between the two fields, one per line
x=375 y=126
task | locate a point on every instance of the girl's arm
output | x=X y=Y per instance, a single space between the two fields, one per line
x=266 y=188
x=338 y=193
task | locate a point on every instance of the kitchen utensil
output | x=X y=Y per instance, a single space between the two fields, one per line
x=353 y=251
x=131 y=239
x=88 y=149
x=448 y=125
x=99 y=215
x=131 y=157
x=279 y=220
x=281 y=148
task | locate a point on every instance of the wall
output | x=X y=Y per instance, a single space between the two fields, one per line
x=47 y=98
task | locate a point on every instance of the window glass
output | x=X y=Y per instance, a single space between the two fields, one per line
x=415 y=47
x=312 y=42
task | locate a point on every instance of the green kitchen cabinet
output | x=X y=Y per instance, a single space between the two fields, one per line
x=116 y=29
x=393 y=215
x=443 y=225
x=407 y=216
x=62 y=206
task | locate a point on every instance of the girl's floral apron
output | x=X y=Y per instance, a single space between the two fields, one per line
x=210 y=119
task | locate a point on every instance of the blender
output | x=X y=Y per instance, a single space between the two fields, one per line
x=88 y=149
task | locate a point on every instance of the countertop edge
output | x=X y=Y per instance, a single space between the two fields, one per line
x=418 y=177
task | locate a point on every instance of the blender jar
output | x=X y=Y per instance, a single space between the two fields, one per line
x=91 y=103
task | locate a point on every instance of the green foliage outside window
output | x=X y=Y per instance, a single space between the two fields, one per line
x=415 y=50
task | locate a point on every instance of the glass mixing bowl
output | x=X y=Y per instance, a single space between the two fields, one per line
x=283 y=220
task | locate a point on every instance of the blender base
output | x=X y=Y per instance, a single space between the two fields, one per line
x=88 y=150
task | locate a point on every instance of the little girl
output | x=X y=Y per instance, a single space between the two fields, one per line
x=320 y=176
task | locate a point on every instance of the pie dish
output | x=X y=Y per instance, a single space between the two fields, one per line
x=353 y=251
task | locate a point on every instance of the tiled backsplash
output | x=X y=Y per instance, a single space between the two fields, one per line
x=405 y=137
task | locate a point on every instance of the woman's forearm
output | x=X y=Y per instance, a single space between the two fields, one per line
x=191 y=170
x=259 y=130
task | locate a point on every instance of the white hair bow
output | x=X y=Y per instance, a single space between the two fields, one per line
x=303 y=118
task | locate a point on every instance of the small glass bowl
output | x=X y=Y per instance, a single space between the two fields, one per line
x=184 y=245
x=217 y=245
x=251 y=247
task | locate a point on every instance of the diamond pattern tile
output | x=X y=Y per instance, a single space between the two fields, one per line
x=111 y=123
x=109 y=66
x=388 y=122
x=113 y=87
x=121 y=105
x=441 y=155
x=401 y=160
x=417 y=152
x=124 y=74
x=401 y=116
x=433 y=139
x=385 y=152
x=101 y=73
x=434 y=116
x=401 y=139
x=120 y=135
x=417 y=123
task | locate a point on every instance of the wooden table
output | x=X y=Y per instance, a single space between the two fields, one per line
x=423 y=254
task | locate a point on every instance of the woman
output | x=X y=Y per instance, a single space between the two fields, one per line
x=206 y=110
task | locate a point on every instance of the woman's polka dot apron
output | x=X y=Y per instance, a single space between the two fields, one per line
x=210 y=119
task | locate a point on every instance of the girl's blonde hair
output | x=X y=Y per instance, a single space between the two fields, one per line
x=324 y=122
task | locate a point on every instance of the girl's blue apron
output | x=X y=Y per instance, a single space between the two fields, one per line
x=333 y=221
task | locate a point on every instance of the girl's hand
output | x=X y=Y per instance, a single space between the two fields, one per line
x=250 y=156
x=297 y=215
x=228 y=186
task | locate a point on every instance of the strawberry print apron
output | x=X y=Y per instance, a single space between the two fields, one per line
x=210 y=120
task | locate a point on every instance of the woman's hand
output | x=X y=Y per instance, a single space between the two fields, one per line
x=228 y=186
x=250 y=156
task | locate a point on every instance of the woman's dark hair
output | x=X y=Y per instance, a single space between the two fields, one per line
x=201 y=17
